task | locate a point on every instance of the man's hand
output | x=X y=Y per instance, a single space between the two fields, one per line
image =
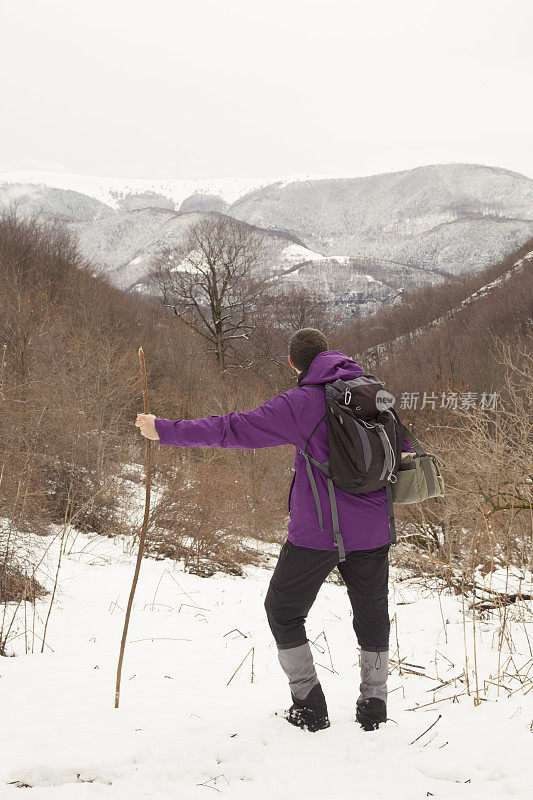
x=146 y=423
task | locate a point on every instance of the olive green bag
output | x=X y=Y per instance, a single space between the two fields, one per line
x=418 y=477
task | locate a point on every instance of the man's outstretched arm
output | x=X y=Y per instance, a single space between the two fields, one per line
x=273 y=423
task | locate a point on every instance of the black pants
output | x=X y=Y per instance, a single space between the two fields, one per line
x=299 y=574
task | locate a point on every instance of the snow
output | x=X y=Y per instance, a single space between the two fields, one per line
x=489 y=287
x=295 y=252
x=438 y=218
x=451 y=217
x=182 y=732
x=109 y=190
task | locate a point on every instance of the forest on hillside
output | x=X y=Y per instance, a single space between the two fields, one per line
x=70 y=390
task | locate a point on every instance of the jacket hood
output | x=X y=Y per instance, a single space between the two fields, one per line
x=329 y=366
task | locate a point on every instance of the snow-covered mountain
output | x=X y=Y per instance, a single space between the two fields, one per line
x=358 y=241
x=453 y=217
x=112 y=191
x=354 y=285
x=48 y=202
x=123 y=241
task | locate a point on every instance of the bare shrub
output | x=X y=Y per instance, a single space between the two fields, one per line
x=485 y=519
x=18 y=583
x=206 y=516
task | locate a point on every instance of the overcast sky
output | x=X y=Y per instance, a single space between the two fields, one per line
x=240 y=88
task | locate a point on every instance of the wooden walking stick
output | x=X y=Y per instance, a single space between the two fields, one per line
x=148 y=470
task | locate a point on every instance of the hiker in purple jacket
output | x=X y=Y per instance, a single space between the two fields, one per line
x=309 y=554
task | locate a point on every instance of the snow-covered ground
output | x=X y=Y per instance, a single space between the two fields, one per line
x=182 y=732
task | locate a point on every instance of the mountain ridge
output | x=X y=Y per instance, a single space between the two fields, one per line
x=435 y=221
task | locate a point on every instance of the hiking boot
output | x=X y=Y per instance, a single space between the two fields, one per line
x=371 y=707
x=370 y=713
x=311 y=713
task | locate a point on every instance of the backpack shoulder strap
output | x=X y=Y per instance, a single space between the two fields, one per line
x=390 y=511
x=322 y=386
x=323 y=466
x=313 y=431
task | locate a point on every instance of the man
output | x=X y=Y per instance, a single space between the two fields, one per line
x=309 y=553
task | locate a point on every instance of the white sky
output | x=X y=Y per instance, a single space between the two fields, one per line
x=241 y=88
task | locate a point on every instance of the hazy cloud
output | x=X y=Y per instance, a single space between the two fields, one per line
x=208 y=88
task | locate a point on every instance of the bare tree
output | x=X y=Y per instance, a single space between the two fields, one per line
x=212 y=281
x=282 y=312
x=301 y=308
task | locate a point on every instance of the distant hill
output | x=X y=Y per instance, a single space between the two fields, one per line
x=66 y=205
x=360 y=242
x=112 y=191
x=491 y=294
x=354 y=286
x=453 y=216
x=450 y=332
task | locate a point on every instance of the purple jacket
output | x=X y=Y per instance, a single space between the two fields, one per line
x=289 y=418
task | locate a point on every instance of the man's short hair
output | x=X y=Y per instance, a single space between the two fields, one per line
x=305 y=345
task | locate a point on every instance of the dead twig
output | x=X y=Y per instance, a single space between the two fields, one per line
x=252 y=651
x=61 y=543
x=442 y=699
x=160 y=639
x=206 y=785
x=427 y=729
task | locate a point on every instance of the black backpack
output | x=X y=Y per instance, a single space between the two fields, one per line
x=365 y=443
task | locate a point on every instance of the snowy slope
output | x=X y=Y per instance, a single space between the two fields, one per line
x=486 y=290
x=47 y=202
x=450 y=216
x=125 y=243
x=182 y=732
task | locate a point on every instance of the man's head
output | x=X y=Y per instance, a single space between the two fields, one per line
x=304 y=346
